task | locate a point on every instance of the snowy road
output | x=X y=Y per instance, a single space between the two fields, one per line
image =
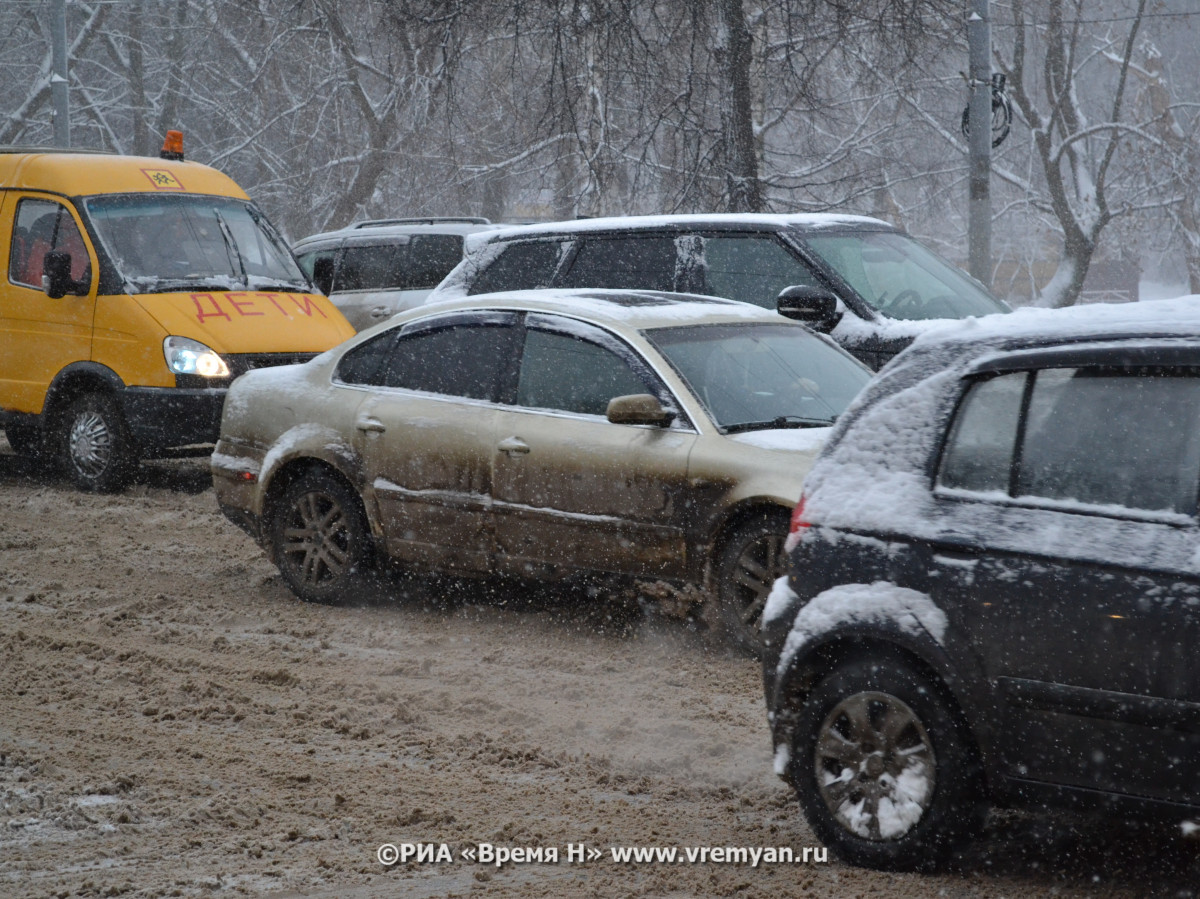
x=173 y=722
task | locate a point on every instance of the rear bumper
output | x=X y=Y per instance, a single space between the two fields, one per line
x=164 y=417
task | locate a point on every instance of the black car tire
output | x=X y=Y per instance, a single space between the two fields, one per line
x=751 y=560
x=903 y=753
x=320 y=539
x=95 y=448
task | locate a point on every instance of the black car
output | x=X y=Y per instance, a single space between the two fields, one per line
x=994 y=591
x=866 y=283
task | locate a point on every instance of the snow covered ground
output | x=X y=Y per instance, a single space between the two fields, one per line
x=174 y=722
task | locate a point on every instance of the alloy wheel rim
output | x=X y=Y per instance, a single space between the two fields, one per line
x=316 y=540
x=91 y=444
x=875 y=767
x=758 y=567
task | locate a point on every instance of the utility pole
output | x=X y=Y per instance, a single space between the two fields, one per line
x=979 y=210
x=58 y=75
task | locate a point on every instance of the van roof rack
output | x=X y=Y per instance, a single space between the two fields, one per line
x=425 y=220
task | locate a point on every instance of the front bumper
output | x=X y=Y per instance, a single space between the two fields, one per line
x=160 y=418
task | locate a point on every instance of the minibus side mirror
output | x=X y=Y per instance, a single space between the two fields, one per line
x=56 y=274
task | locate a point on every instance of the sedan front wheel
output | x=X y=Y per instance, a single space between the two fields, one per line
x=320 y=539
x=752 y=559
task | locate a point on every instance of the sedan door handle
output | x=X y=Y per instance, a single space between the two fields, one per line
x=371 y=425
x=381 y=312
x=513 y=445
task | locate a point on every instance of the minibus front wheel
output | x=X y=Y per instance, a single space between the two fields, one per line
x=96 y=450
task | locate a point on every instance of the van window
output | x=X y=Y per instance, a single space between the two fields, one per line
x=521 y=266
x=753 y=269
x=638 y=263
x=42 y=226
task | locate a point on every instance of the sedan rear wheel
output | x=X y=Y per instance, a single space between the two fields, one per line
x=320 y=538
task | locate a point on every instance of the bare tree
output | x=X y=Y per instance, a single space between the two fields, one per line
x=1078 y=158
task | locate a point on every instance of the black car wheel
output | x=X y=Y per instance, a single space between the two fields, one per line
x=883 y=768
x=94 y=445
x=320 y=538
x=751 y=561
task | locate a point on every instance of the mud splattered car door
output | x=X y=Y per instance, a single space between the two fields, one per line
x=573 y=490
x=424 y=433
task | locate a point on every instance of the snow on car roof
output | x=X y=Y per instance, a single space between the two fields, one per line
x=641 y=222
x=1099 y=321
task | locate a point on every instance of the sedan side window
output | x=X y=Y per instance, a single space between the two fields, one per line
x=456 y=359
x=569 y=374
x=364 y=364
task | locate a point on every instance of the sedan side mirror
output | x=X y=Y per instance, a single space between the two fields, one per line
x=638 y=409
x=56 y=274
x=814 y=306
x=323 y=274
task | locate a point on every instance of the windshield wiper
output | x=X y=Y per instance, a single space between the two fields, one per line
x=290 y=287
x=782 y=421
x=150 y=283
x=230 y=245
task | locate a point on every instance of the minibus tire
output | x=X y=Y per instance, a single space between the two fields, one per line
x=95 y=449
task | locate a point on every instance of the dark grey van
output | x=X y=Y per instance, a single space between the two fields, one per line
x=866 y=283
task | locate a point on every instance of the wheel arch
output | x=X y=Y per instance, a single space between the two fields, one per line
x=288 y=471
x=74 y=381
x=926 y=657
x=734 y=518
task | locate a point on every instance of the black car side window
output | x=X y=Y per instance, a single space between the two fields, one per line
x=636 y=263
x=570 y=374
x=521 y=266
x=979 y=450
x=463 y=359
x=1115 y=437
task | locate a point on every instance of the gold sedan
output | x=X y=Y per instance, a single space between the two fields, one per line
x=611 y=437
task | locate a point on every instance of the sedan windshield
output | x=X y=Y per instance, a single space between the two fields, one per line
x=192 y=242
x=900 y=278
x=759 y=376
